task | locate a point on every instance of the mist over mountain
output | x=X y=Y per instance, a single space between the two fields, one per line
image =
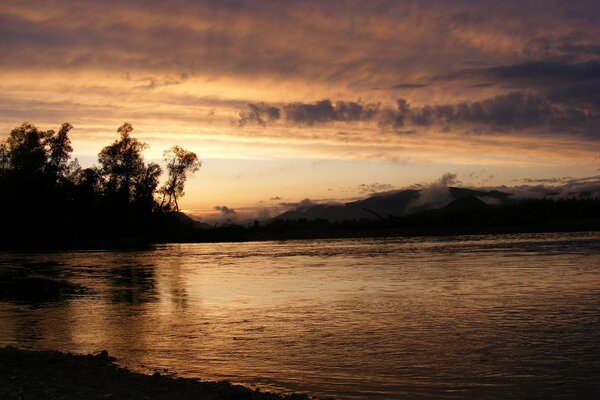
x=409 y=200
x=395 y=204
x=443 y=194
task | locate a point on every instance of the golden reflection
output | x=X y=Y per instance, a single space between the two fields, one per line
x=368 y=315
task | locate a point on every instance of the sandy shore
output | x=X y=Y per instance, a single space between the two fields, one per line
x=28 y=374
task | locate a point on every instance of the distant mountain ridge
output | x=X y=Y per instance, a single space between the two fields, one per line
x=399 y=203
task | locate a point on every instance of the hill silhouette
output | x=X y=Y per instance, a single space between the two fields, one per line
x=464 y=215
x=469 y=203
x=392 y=204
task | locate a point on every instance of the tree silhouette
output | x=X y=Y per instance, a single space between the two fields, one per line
x=48 y=198
x=179 y=163
x=4 y=161
x=146 y=185
x=25 y=150
x=122 y=164
x=59 y=150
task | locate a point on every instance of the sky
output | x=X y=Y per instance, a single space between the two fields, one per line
x=320 y=100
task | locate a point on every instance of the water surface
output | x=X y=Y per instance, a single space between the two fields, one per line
x=511 y=316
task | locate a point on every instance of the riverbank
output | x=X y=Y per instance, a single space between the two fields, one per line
x=29 y=374
x=236 y=234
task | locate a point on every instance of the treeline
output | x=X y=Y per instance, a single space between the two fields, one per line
x=533 y=215
x=48 y=199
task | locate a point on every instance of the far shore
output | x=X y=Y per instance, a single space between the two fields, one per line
x=32 y=374
x=244 y=234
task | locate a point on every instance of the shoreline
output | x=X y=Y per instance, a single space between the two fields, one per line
x=45 y=374
x=225 y=235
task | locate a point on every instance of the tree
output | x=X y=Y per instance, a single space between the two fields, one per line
x=122 y=164
x=33 y=167
x=4 y=160
x=47 y=198
x=59 y=150
x=179 y=163
x=25 y=152
x=146 y=186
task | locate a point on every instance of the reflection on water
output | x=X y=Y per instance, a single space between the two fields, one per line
x=470 y=317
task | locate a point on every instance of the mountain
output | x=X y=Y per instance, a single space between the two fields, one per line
x=399 y=203
x=469 y=203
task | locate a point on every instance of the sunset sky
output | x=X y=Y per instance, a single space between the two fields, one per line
x=321 y=100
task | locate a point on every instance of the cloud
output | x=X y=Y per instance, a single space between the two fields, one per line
x=546 y=70
x=554 y=188
x=434 y=194
x=565 y=191
x=259 y=113
x=585 y=96
x=361 y=44
x=574 y=45
x=560 y=82
x=546 y=180
x=514 y=111
x=410 y=85
x=299 y=205
x=324 y=111
x=376 y=187
x=307 y=68
x=154 y=82
x=517 y=109
x=226 y=210
x=319 y=112
x=533 y=72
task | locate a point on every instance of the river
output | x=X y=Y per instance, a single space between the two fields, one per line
x=507 y=316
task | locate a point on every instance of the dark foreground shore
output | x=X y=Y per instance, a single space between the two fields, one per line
x=28 y=374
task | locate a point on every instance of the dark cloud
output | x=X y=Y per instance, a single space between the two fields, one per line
x=298 y=113
x=545 y=180
x=482 y=84
x=574 y=45
x=545 y=70
x=449 y=54
x=514 y=111
x=410 y=86
x=584 y=95
x=395 y=118
x=352 y=42
x=154 y=82
x=565 y=180
x=565 y=90
x=226 y=210
x=543 y=76
x=259 y=113
x=324 y=111
x=562 y=83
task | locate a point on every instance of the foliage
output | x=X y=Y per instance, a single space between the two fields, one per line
x=47 y=196
x=179 y=163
